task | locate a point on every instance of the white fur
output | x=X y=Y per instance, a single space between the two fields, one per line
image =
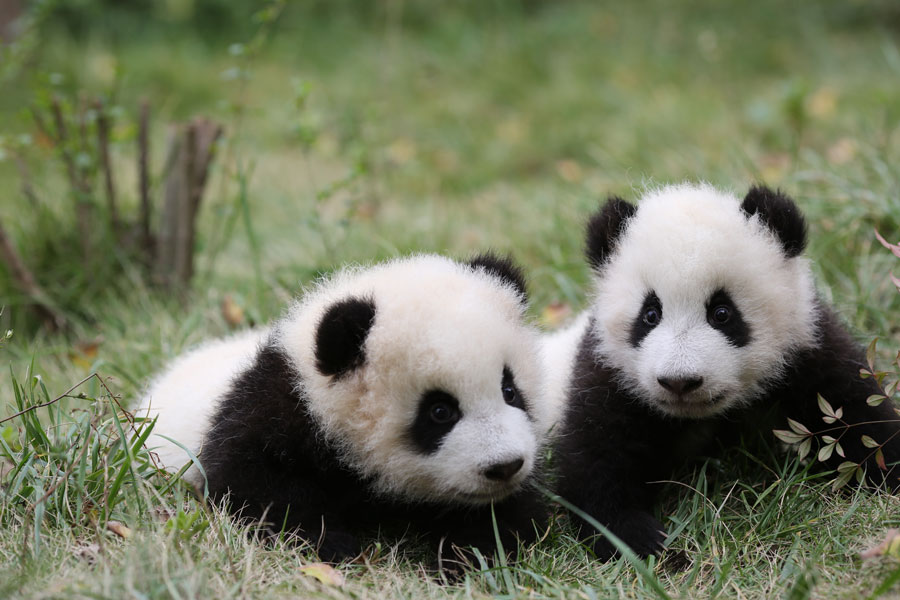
x=685 y=242
x=184 y=396
x=558 y=350
x=438 y=325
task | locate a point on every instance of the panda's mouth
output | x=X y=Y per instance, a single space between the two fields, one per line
x=485 y=497
x=692 y=405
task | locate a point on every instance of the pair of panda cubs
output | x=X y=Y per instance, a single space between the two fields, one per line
x=414 y=394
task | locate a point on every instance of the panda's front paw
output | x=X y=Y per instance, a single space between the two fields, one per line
x=640 y=530
x=337 y=546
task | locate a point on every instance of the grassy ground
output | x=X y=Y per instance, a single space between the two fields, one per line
x=498 y=127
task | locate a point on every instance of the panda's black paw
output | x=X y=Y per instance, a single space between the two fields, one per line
x=337 y=546
x=640 y=530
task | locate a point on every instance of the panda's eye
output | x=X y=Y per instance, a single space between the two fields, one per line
x=443 y=413
x=651 y=316
x=721 y=314
x=510 y=392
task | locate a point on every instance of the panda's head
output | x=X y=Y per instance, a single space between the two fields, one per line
x=424 y=373
x=700 y=297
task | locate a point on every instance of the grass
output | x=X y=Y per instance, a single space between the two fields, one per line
x=362 y=138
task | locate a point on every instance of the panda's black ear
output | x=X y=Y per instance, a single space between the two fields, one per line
x=341 y=336
x=780 y=214
x=504 y=269
x=605 y=227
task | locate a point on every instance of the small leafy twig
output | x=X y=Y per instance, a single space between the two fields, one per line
x=51 y=402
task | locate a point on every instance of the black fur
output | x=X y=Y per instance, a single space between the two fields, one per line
x=612 y=446
x=341 y=336
x=266 y=456
x=512 y=395
x=735 y=328
x=641 y=326
x=605 y=227
x=428 y=430
x=780 y=214
x=504 y=269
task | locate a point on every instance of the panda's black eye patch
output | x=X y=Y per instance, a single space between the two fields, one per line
x=511 y=394
x=437 y=414
x=724 y=316
x=648 y=317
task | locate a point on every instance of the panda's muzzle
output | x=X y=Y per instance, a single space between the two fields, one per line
x=503 y=471
x=680 y=385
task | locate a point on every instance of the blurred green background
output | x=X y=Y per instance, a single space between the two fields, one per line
x=359 y=130
x=356 y=131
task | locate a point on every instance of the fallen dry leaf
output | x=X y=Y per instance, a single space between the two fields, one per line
x=84 y=353
x=890 y=546
x=569 y=170
x=401 y=151
x=555 y=313
x=822 y=103
x=324 y=573
x=120 y=529
x=842 y=151
x=231 y=311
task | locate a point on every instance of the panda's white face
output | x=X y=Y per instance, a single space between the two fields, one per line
x=699 y=305
x=444 y=403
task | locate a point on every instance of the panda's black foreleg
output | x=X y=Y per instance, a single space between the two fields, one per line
x=619 y=499
x=518 y=520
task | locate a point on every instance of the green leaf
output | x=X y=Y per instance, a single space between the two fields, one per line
x=875 y=399
x=798 y=427
x=824 y=406
x=828 y=439
x=868 y=442
x=829 y=420
x=825 y=452
x=846 y=466
x=879 y=460
x=841 y=480
x=890 y=388
x=804 y=448
x=788 y=437
x=870 y=354
x=865 y=373
x=839 y=412
x=839 y=450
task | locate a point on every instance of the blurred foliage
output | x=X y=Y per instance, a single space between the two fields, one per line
x=213 y=19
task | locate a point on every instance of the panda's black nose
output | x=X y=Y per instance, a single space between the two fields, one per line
x=503 y=471
x=680 y=385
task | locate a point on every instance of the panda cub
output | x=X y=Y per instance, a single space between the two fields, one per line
x=705 y=323
x=407 y=394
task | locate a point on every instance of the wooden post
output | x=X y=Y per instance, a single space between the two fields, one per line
x=191 y=150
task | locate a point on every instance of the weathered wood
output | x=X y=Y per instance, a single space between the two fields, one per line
x=184 y=225
x=146 y=237
x=80 y=187
x=191 y=150
x=168 y=222
x=106 y=166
